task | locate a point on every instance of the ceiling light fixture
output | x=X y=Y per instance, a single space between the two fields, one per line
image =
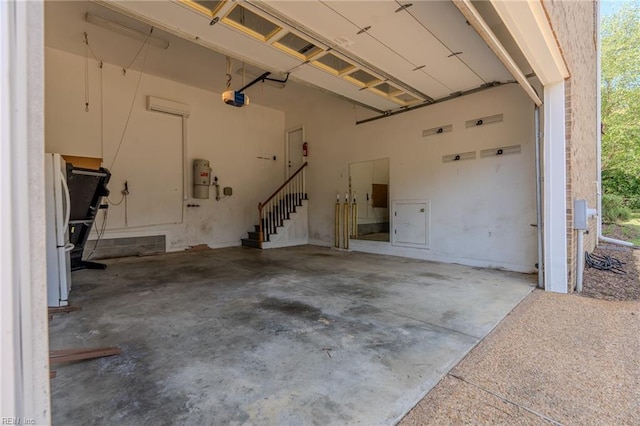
x=126 y=30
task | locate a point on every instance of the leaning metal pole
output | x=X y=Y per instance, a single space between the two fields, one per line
x=345 y=222
x=354 y=218
x=337 y=223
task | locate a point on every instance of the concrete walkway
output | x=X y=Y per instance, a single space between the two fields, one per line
x=294 y=336
x=556 y=359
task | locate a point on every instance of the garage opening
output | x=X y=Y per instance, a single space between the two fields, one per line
x=326 y=322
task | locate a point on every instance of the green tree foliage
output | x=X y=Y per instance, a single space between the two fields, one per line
x=621 y=102
x=613 y=209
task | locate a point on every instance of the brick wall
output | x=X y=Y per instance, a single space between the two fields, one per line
x=571 y=256
x=574 y=23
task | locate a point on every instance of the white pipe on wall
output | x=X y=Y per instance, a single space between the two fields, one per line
x=614 y=241
x=599 y=140
x=598 y=124
x=580 y=260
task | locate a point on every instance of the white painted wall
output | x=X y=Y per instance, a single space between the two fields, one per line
x=481 y=210
x=150 y=156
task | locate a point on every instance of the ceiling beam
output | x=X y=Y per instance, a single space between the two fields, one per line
x=436 y=101
x=482 y=28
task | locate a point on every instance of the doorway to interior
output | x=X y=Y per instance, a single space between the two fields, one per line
x=294 y=150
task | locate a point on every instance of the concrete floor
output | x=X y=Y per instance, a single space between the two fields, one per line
x=303 y=335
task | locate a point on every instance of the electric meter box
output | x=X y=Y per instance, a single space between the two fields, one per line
x=201 y=178
x=580 y=215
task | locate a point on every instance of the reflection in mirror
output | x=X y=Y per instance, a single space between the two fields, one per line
x=369 y=181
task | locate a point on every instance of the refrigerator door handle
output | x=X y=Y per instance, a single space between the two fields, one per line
x=67 y=198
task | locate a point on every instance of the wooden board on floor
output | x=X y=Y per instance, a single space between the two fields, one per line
x=58 y=356
x=63 y=309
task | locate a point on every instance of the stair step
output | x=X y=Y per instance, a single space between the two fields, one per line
x=254 y=236
x=246 y=242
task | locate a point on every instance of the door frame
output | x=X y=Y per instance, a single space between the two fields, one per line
x=286 y=147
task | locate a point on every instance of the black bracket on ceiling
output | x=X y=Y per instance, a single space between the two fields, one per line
x=262 y=79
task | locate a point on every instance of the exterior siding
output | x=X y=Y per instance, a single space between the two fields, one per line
x=574 y=24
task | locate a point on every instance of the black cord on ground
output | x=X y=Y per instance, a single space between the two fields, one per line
x=604 y=263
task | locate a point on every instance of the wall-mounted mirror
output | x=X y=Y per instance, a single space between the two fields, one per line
x=369 y=182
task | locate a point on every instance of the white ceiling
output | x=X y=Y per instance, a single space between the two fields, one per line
x=426 y=49
x=425 y=34
x=65 y=24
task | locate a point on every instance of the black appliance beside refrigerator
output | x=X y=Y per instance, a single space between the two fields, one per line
x=86 y=189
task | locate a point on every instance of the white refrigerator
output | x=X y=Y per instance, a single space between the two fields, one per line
x=58 y=209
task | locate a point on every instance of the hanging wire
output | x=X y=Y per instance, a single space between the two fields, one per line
x=119 y=202
x=100 y=64
x=100 y=233
x=95 y=57
x=144 y=43
x=86 y=74
x=229 y=76
x=126 y=215
x=133 y=100
x=101 y=112
x=89 y=49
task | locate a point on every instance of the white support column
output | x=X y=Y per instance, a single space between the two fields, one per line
x=555 y=190
x=24 y=363
x=9 y=355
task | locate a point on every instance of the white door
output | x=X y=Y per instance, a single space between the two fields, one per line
x=295 y=139
x=411 y=223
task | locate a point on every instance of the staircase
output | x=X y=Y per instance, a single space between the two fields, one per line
x=282 y=218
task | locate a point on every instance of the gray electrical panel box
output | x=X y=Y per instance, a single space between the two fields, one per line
x=580 y=215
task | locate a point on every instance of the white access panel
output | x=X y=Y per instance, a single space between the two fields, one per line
x=411 y=222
